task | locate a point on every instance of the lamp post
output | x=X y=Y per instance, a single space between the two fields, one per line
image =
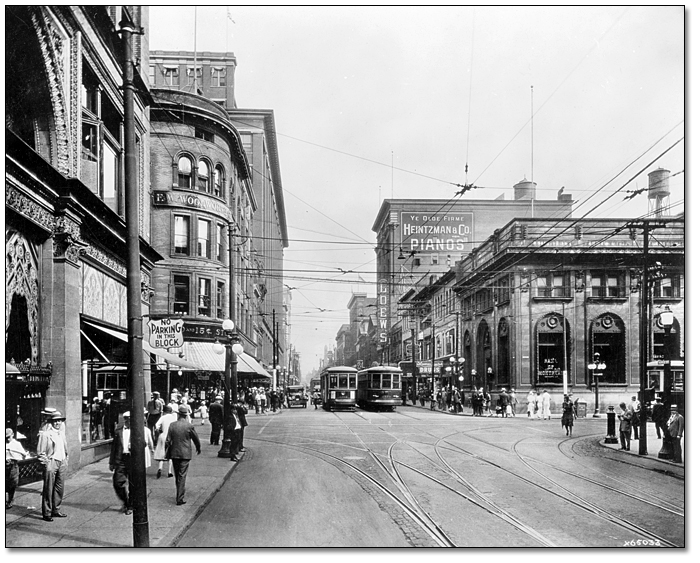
x=473 y=374
x=666 y=317
x=596 y=367
x=233 y=348
x=457 y=366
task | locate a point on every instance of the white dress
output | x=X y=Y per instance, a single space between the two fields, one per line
x=161 y=428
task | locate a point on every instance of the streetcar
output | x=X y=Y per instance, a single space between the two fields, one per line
x=379 y=388
x=338 y=388
x=296 y=396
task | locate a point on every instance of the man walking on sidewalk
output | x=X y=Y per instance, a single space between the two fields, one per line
x=179 y=449
x=216 y=417
x=120 y=462
x=53 y=454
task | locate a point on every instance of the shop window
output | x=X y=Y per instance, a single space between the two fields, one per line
x=181 y=237
x=204 y=297
x=181 y=301
x=203 y=238
x=608 y=340
x=203 y=180
x=607 y=284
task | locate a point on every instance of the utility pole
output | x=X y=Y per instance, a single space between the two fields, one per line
x=274 y=350
x=137 y=489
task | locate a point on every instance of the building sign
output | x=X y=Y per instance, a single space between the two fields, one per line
x=423 y=368
x=437 y=232
x=166 y=333
x=383 y=310
x=203 y=331
x=186 y=199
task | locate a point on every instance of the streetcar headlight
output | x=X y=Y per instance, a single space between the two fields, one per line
x=352 y=395
x=332 y=394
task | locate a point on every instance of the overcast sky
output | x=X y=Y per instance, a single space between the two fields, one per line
x=372 y=103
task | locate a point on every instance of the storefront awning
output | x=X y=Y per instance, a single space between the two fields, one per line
x=203 y=356
x=167 y=356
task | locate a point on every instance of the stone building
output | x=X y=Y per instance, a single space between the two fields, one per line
x=65 y=234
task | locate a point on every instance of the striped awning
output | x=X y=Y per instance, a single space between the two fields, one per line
x=203 y=356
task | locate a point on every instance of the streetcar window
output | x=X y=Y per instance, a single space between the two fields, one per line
x=386 y=381
x=376 y=380
x=353 y=382
x=343 y=383
x=334 y=381
x=397 y=381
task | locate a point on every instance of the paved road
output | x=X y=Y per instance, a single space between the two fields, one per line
x=419 y=478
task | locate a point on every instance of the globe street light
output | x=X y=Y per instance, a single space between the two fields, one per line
x=597 y=368
x=233 y=349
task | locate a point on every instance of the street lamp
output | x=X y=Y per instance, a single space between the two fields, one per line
x=457 y=366
x=596 y=367
x=666 y=318
x=233 y=349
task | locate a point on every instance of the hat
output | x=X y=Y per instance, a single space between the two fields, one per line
x=182 y=409
x=56 y=416
x=127 y=414
x=156 y=393
x=674 y=407
x=218 y=398
x=8 y=432
x=48 y=411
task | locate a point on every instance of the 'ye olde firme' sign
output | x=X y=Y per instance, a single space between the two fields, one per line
x=166 y=333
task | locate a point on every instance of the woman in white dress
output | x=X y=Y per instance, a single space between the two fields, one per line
x=531 y=401
x=161 y=430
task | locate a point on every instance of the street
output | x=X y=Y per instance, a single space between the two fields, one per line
x=415 y=477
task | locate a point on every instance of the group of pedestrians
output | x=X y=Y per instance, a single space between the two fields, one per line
x=672 y=427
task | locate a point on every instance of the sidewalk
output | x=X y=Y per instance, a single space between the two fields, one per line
x=653 y=443
x=95 y=517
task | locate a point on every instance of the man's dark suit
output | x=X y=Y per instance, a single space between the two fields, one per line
x=120 y=463
x=216 y=417
x=237 y=437
x=179 y=449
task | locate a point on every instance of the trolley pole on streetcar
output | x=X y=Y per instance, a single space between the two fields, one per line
x=413 y=365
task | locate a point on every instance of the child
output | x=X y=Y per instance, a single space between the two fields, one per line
x=202 y=412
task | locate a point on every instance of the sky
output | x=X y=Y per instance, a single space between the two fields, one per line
x=374 y=103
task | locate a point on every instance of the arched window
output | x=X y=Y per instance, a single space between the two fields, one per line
x=608 y=340
x=184 y=172
x=219 y=181
x=550 y=350
x=203 y=180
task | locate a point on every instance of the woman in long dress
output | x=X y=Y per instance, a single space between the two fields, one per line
x=567 y=416
x=161 y=430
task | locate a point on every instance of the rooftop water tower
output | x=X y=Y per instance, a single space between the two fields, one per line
x=659 y=193
x=524 y=189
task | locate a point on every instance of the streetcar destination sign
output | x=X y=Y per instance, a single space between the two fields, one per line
x=166 y=333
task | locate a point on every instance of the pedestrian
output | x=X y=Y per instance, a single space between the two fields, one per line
x=316 y=399
x=95 y=410
x=202 y=413
x=567 y=415
x=155 y=411
x=658 y=418
x=14 y=452
x=636 y=408
x=513 y=401
x=273 y=401
x=120 y=462
x=503 y=400
x=53 y=455
x=531 y=403
x=183 y=402
x=539 y=405
x=178 y=448
x=546 y=405
x=676 y=427
x=216 y=417
x=625 y=427
x=476 y=402
x=457 y=401
x=241 y=411
x=161 y=432
x=487 y=402
x=258 y=401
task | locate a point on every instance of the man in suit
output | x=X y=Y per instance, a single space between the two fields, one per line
x=237 y=439
x=216 y=417
x=120 y=462
x=179 y=449
x=676 y=427
x=53 y=455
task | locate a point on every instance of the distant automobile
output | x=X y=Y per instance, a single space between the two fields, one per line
x=296 y=396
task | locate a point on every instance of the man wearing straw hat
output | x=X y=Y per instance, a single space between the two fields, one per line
x=53 y=454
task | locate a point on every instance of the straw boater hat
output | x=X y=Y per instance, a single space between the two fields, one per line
x=56 y=415
x=8 y=433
